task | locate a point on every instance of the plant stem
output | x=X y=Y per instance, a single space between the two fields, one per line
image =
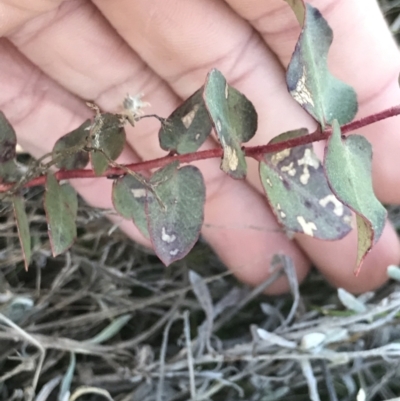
x=253 y=151
x=373 y=118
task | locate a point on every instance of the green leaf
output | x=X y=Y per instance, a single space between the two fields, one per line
x=309 y=81
x=234 y=119
x=70 y=146
x=186 y=129
x=61 y=205
x=176 y=217
x=108 y=137
x=298 y=192
x=8 y=140
x=129 y=199
x=23 y=228
x=348 y=169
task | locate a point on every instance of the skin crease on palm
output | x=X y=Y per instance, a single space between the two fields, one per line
x=56 y=54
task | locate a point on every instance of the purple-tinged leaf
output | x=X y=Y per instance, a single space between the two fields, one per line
x=234 y=119
x=176 y=215
x=129 y=199
x=348 y=169
x=308 y=78
x=108 y=137
x=69 y=148
x=186 y=129
x=298 y=192
x=61 y=205
x=23 y=228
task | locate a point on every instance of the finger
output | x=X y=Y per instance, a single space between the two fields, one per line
x=229 y=203
x=41 y=112
x=219 y=38
x=15 y=13
x=340 y=273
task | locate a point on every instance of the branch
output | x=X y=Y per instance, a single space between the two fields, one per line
x=254 y=151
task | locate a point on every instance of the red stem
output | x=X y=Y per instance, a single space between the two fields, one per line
x=253 y=151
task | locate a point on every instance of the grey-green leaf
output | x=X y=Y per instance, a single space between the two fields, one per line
x=23 y=228
x=61 y=205
x=164 y=174
x=298 y=192
x=108 y=137
x=308 y=78
x=69 y=148
x=234 y=119
x=9 y=171
x=8 y=140
x=186 y=129
x=176 y=217
x=65 y=387
x=129 y=199
x=111 y=330
x=348 y=169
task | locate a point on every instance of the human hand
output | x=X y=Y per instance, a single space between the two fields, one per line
x=56 y=54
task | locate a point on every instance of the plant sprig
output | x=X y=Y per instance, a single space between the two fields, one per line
x=307 y=195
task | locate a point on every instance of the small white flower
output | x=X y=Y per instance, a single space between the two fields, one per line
x=133 y=107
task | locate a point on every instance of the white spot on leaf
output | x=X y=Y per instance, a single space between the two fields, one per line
x=308 y=228
x=230 y=161
x=282 y=214
x=167 y=237
x=174 y=252
x=278 y=157
x=309 y=159
x=231 y=157
x=338 y=206
x=138 y=193
x=189 y=117
x=289 y=169
x=302 y=94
